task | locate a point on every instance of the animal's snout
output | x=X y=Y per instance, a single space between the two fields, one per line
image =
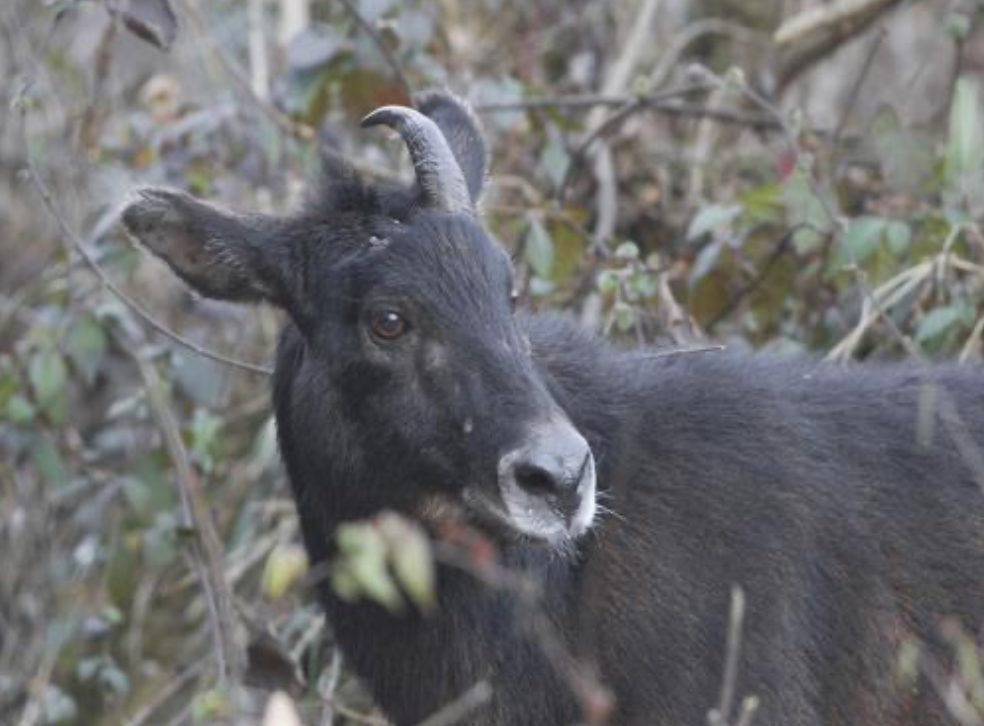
x=556 y=473
x=548 y=483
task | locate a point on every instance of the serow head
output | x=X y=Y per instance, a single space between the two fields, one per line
x=405 y=378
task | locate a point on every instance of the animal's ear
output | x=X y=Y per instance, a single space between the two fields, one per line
x=463 y=133
x=221 y=254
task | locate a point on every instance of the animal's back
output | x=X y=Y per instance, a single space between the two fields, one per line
x=846 y=503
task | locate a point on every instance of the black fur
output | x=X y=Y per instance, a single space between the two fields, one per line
x=843 y=501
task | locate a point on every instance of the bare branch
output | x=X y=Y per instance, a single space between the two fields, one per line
x=686 y=351
x=72 y=239
x=459 y=709
x=804 y=39
x=594 y=699
x=174 y=687
x=855 y=93
x=387 y=54
x=206 y=549
x=278 y=117
x=734 y=116
x=615 y=120
x=259 y=67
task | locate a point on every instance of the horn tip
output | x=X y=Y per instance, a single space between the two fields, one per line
x=383 y=116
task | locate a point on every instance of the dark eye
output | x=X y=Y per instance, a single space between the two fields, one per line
x=514 y=298
x=388 y=324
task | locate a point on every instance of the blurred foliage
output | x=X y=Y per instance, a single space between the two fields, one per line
x=786 y=235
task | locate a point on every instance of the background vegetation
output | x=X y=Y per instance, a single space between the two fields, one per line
x=798 y=176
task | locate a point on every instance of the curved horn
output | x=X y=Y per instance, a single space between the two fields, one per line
x=438 y=173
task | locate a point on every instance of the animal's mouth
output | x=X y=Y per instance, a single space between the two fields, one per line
x=516 y=515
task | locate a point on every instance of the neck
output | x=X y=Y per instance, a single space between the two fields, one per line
x=416 y=664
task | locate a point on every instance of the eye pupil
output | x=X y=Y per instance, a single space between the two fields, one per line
x=388 y=324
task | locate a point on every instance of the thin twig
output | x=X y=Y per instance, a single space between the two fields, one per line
x=592 y=696
x=613 y=121
x=165 y=694
x=685 y=351
x=206 y=550
x=852 y=98
x=76 y=243
x=378 y=41
x=327 y=685
x=778 y=251
x=813 y=34
x=736 y=618
x=654 y=102
x=684 y=37
x=458 y=709
x=278 y=117
x=352 y=715
x=259 y=66
x=959 y=432
x=98 y=106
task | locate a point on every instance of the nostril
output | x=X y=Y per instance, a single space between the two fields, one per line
x=535 y=478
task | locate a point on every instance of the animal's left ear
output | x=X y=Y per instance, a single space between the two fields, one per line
x=463 y=133
x=221 y=254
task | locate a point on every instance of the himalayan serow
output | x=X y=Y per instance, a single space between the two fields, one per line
x=845 y=502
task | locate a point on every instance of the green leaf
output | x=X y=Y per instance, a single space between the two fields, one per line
x=643 y=283
x=285 y=565
x=86 y=346
x=57 y=706
x=19 y=410
x=906 y=160
x=805 y=208
x=49 y=463
x=211 y=706
x=711 y=218
x=568 y=245
x=941 y=319
x=763 y=203
x=539 y=249
x=555 y=161
x=48 y=374
x=861 y=239
x=205 y=430
x=9 y=381
x=411 y=557
x=362 y=567
x=607 y=281
x=151 y=20
x=114 y=680
x=964 y=157
x=627 y=251
x=706 y=259
x=540 y=287
x=899 y=236
x=625 y=316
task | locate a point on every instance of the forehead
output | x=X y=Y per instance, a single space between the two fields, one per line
x=446 y=260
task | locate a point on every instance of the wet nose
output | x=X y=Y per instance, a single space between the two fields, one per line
x=553 y=461
x=544 y=472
